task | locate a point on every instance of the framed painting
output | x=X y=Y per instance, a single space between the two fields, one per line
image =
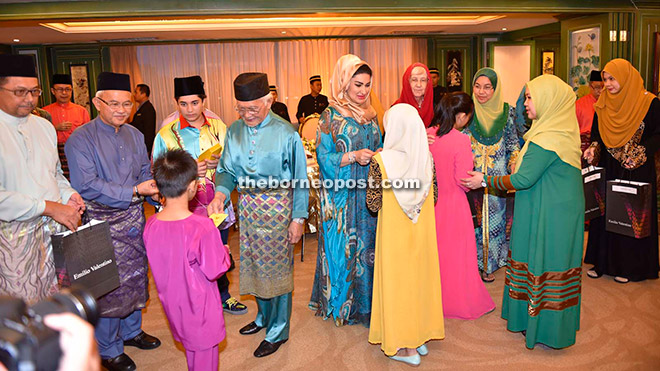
x=548 y=62
x=454 y=70
x=584 y=55
x=80 y=80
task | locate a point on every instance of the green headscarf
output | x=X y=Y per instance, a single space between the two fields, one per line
x=489 y=118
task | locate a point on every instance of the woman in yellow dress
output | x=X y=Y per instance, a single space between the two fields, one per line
x=407 y=305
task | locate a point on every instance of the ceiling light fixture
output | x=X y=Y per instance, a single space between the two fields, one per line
x=503 y=28
x=265 y=23
x=17 y=40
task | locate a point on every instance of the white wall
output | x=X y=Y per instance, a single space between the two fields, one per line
x=513 y=65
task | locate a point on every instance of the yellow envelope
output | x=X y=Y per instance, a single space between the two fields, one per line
x=206 y=155
x=218 y=218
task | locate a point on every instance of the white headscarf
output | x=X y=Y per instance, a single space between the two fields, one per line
x=406 y=156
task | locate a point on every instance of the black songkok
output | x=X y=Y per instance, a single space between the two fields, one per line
x=434 y=70
x=314 y=78
x=191 y=85
x=251 y=86
x=113 y=81
x=272 y=88
x=17 y=65
x=62 y=79
x=595 y=76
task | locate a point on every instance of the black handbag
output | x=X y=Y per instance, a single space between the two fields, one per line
x=86 y=258
x=594 y=185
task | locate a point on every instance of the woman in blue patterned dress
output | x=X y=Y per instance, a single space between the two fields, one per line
x=495 y=148
x=347 y=137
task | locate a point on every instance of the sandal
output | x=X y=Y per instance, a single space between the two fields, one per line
x=620 y=279
x=593 y=274
x=488 y=278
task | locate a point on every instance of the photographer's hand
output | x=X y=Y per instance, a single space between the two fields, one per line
x=77 y=342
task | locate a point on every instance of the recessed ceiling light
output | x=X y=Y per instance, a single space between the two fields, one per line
x=17 y=40
x=283 y=32
x=503 y=28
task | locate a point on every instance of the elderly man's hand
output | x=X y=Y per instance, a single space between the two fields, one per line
x=217 y=205
x=295 y=232
x=147 y=188
x=66 y=215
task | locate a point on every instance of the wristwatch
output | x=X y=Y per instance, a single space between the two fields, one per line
x=299 y=220
x=483 y=183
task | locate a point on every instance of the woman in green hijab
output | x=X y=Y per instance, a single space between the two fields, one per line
x=495 y=147
x=542 y=288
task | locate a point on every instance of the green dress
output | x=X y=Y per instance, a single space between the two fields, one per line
x=543 y=273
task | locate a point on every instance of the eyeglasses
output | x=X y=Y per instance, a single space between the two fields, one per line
x=22 y=92
x=63 y=90
x=114 y=105
x=250 y=110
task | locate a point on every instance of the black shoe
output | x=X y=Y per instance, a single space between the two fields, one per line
x=143 y=341
x=250 y=328
x=267 y=348
x=120 y=363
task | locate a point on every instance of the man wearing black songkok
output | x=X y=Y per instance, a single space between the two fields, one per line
x=110 y=168
x=265 y=157
x=312 y=103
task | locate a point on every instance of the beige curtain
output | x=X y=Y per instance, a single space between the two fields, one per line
x=389 y=59
x=287 y=63
x=123 y=59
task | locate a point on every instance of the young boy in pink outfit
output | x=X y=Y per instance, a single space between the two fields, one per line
x=186 y=256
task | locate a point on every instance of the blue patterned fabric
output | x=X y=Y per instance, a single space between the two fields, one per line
x=345 y=261
x=495 y=160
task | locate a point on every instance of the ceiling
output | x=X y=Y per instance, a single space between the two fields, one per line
x=268 y=27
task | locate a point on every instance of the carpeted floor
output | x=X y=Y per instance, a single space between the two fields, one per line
x=620 y=330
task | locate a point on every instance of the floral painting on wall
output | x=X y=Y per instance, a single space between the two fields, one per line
x=585 y=56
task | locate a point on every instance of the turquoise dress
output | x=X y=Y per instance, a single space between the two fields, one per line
x=346 y=246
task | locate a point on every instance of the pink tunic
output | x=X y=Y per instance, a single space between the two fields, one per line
x=464 y=295
x=186 y=257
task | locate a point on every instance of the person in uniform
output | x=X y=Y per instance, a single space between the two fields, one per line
x=314 y=102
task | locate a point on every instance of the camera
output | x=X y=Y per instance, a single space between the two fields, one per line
x=26 y=343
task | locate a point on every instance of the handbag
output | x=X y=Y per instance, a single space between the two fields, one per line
x=86 y=258
x=628 y=208
x=594 y=185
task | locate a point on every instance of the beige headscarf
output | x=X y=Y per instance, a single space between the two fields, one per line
x=556 y=127
x=341 y=77
x=620 y=114
x=406 y=156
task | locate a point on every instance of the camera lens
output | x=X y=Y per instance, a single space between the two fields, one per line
x=80 y=302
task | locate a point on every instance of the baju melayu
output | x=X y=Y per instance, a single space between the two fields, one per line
x=178 y=134
x=30 y=175
x=105 y=166
x=271 y=150
x=76 y=114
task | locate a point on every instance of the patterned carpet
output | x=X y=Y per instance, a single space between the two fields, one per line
x=620 y=330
